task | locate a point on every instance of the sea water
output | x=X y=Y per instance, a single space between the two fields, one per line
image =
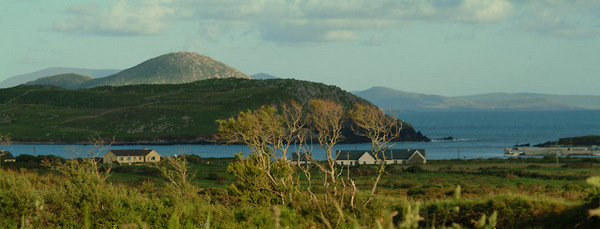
x=485 y=134
x=478 y=134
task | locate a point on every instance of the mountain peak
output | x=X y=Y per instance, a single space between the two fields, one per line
x=172 y=68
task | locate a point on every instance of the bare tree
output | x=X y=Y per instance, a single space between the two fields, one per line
x=381 y=129
x=5 y=141
x=267 y=133
x=326 y=118
x=99 y=146
x=86 y=162
x=177 y=171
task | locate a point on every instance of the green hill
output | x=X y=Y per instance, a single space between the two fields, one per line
x=168 y=113
x=68 y=81
x=172 y=68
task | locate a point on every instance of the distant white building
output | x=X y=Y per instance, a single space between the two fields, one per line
x=395 y=156
x=131 y=156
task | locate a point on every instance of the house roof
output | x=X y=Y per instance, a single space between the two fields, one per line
x=301 y=155
x=392 y=154
x=350 y=154
x=131 y=152
x=400 y=153
x=6 y=156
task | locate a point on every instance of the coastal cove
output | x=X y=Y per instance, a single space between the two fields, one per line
x=478 y=134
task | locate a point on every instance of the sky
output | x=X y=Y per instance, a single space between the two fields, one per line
x=441 y=47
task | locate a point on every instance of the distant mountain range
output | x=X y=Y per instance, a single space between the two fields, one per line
x=172 y=68
x=390 y=99
x=263 y=76
x=24 y=78
x=186 y=67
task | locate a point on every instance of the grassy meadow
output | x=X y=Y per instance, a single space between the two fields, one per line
x=38 y=192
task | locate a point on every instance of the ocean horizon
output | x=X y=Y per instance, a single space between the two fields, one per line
x=477 y=134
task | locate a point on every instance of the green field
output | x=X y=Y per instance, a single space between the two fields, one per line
x=525 y=193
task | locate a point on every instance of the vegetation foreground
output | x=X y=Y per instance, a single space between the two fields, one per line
x=518 y=193
x=265 y=190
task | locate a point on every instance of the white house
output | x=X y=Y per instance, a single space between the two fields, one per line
x=391 y=156
x=131 y=156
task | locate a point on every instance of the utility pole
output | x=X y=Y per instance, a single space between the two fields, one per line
x=557 y=153
x=348 y=159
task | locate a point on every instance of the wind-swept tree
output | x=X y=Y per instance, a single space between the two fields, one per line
x=178 y=172
x=326 y=119
x=381 y=129
x=269 y=135
x=5 y=141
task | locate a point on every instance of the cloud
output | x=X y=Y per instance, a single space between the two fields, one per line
x=335 y=20
x=122 y=18
x=560 y=18
x=483 y=10
x=312 y=21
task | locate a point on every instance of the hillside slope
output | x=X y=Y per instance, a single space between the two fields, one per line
x=172 y=68
x=68 y=80
x=154 y=114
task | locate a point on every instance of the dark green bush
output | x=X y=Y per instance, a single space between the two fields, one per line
x=363 y=170
x=194 y=159
x=414 y=169
x=591 y=160
x=216 y=177
x=578 y=165
x=416 y=191
x=573 y=187
x=534 y=166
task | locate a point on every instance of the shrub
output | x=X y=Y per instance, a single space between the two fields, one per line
x=573 y=187
x=578 y=165
x=591 y=160
x=414 y=169
x=214 y=176
x=416 y=191
x=194 y=159
x=363 y=170
x=25 y=158
x=534 y=166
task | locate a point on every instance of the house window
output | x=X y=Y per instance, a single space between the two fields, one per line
x=341 y=162
x=120 y=158
x=153 y=158
x=140 y=158
x=129 y=158
x=350 y=163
